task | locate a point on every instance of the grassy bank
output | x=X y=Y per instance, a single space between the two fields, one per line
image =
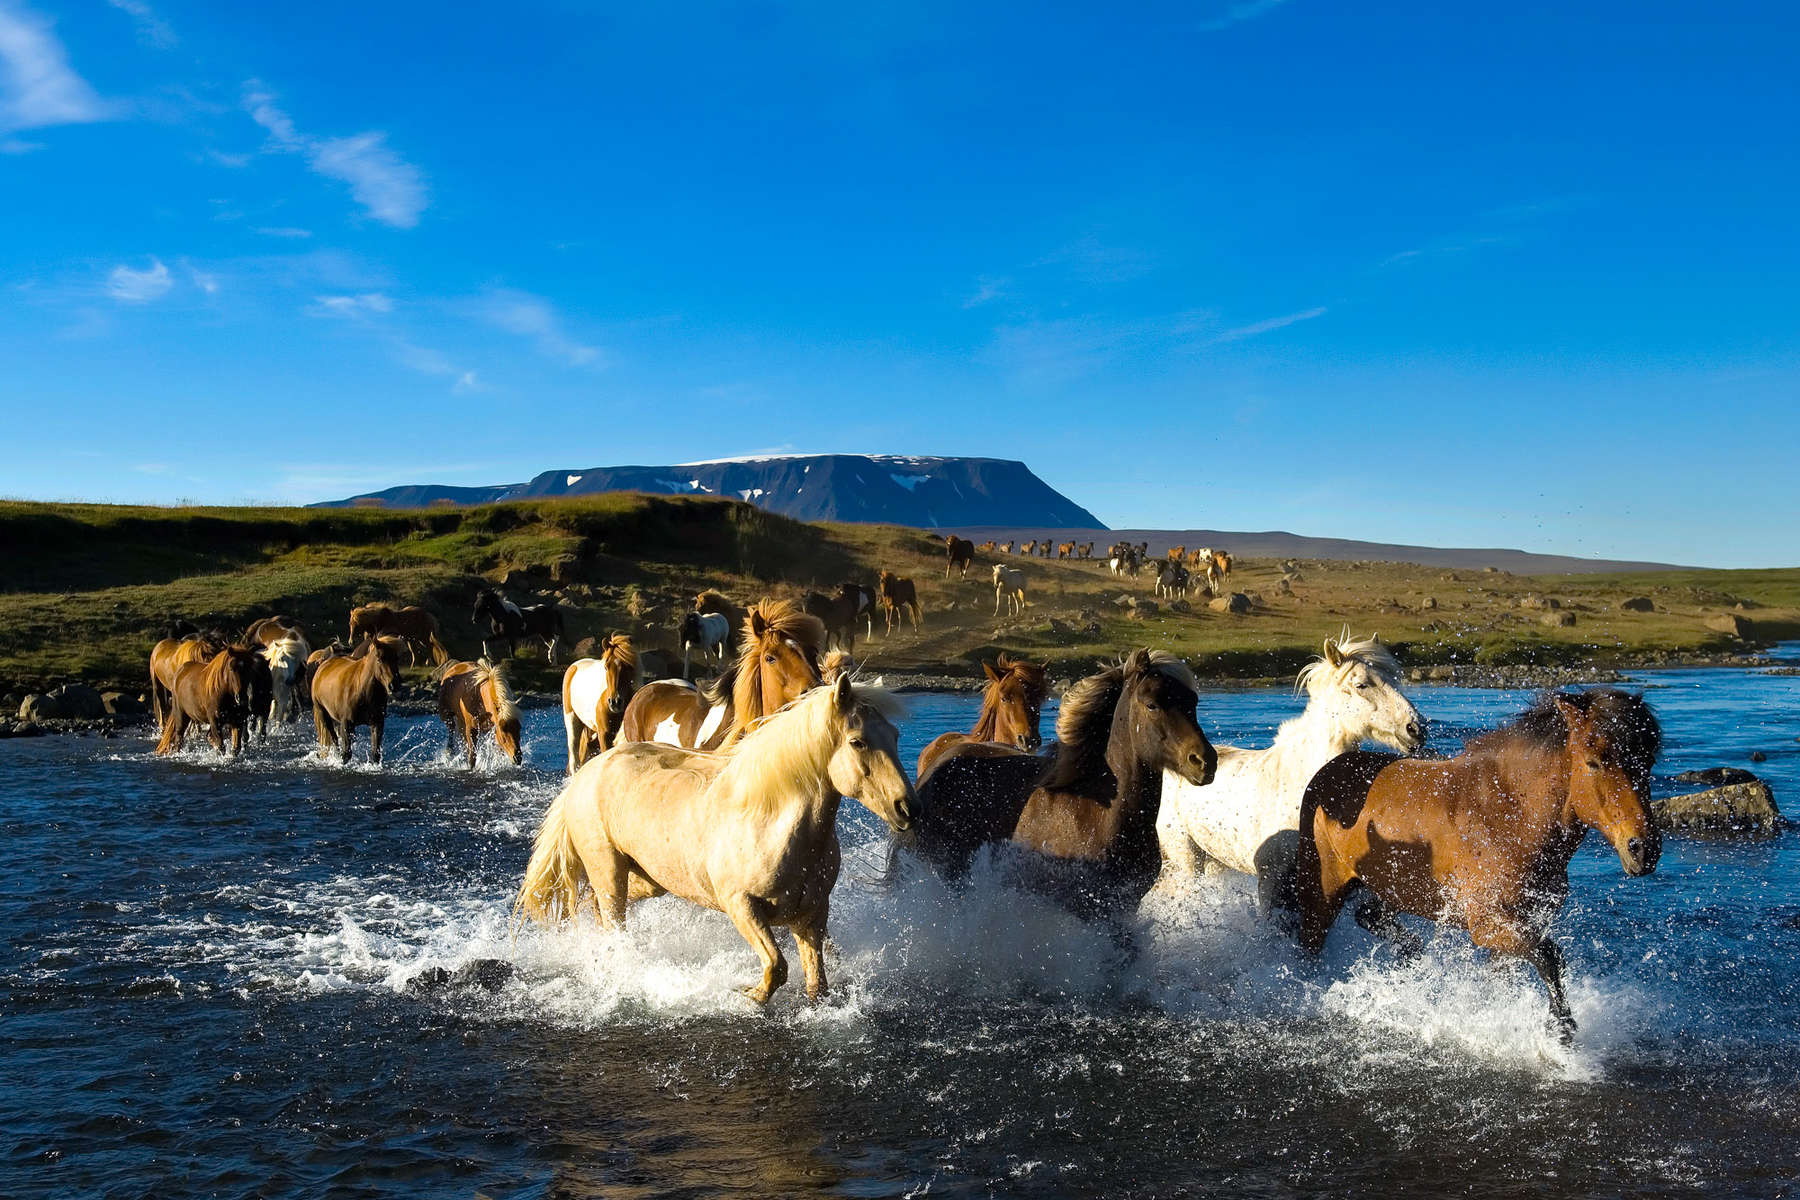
x=86 y=589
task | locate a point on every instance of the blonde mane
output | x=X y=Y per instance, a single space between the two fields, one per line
x=794 y=744
x=783 y=621
x=1369 y=652
x=506 y=709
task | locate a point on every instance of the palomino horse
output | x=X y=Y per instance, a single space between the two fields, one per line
x=707 y=632
x=595 y=692
x=1247 y=819
x=1011 y=709
x=1006 y=547
x=1029 y=549
x=777 y=663
x=1483 y=840
x=752 y=834
x=898 y=598
x=508 y=622
x=1087 y=817
x=959 y=553
x=413 y=623
x=1009 y=588
x=473 y=699
x=166 y=658
x=215 y=693
x=352 y=690
x=988 y=547
x=286 y=657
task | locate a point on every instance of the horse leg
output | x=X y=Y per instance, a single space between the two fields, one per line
x=809 y=935
x=346 y=734
x=1501 y=937
x=1321 y=885
x=1180 y=856
x=322 y=727
x=215 y=733
x=1374 y=915
x=378 y=726
x=469 y=734
x=755 y=930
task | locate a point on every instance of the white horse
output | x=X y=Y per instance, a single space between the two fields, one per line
x=1009 y=585
x=1247 y=819
x=708 y=631
x=287 y=668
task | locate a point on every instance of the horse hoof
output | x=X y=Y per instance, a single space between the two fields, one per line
x=754 y=994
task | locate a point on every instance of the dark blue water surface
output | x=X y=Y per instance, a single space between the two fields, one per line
x=206 y=966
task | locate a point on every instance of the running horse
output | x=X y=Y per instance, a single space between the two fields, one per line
x=595 y=692
x=709 y=632
x=474 y=700
x=1482 y=840
x=777 y=663
x=508 y=622
x=412 y=623
x=353 y=689
x=840 y=612
x=898 y=598
x=1085 y=816
x=1012 y=709
x=168 y=657
x=959 y=553
x=215 y=692
x=713 y=602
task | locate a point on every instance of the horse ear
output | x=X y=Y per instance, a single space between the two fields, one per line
x=844 y=694
x=991 y=672
x=1333 y=653
x=1567 y=709
x=1138 y=663
x=759 y=624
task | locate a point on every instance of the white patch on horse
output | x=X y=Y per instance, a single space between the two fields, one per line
x=669 y=732
x=714 y=718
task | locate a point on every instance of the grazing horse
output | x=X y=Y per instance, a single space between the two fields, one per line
x=413 y=623
x=1482 y=840
x=1085 y=550
x=472 y=700
x=898 y=598
x=752 y=834
x=707 y=631
x=1009 y=586
x=1172 y=580
x=713 y=602
x=778 y=662
x=1247 y=819
x=351 y=690
x=215 y=692
x=1087 y=816
x=959 y=553
x=168 y=657
x=1011 y=710
x=286 y=657
x=595 y=692
x=508 y=622
x=838 y=613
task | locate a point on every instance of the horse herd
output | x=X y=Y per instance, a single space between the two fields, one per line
x=726 y=793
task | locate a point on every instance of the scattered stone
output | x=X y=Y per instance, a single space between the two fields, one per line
x=1713 y=777
x=1637 y=604
x=1442 y=673
x=1735 y=811
x=1144 y=608
x=1125 y=601
x=1180 y=606
x=586 y=647
x=1758 y=756
x=1428 y=603
x=122 y=704
x=1236 y=602
x=486 y=973
x=38 y=708
x=18 y=729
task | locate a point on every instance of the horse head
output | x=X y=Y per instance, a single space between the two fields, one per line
x=620 y=662
x=779 y=662
x=866 y=763
x=1357 y=683
x=1017 y=690
x=1156 y=719
x=1613 y=740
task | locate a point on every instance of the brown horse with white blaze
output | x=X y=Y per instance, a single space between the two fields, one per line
x=353 y=690
x=216 y=693
x=474 y=700
x=1482 y=840
x=1012 y=709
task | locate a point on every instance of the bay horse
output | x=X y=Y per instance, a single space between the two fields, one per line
x=707 y=631
x=1012 y=708
x=1482 y=840
x=1009 y=586
x=898 y=598
x=959 y=553
x=215 y=692
x=778 y=662
x=413 y=623
x=474 y=699
x=839 y=612
x=1084 y=815
x=595 y=692
x=168 y=657
x=508 y=622
x=752 y=834
x=352 y=689
x=1247 y=820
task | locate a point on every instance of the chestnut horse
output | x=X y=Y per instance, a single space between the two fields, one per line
x=1011 y=709
x=898 y=598
x=1482 y=840
x=1087 y=816
x=472 y=700
x=959 y=553
x=778 y=663
x=166 y=658
x=215 y=693
x=595 y=692
x=412 y=623
x=1065 y=549
x=352 y=690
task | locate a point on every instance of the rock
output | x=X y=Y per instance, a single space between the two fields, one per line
x=1540 y=603
x=1558 y=620
x=1144 y=608
x=1713 y=777
x=1639 y=604
x=431 y=979
x=1428 y=603
x=1442 y=673
x=1283 y=587
x=78 y=701
x=1236 y=602
x=122 y=704
x=1125 y=601
x=1758 y=756
x=20 y=729
x=486 y=973
x=1180 y=606
x=1738 y=627
x=1491 y=570
x=564 y=568
x=585 y=647
x=39 y=708
x=1736 y=810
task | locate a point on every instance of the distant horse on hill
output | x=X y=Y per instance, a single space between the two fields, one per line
x=705 y=632
x=958 y=554
x=509 y=622
x=1009 y=588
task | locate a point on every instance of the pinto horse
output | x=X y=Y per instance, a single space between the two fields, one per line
x=473 y=700
x=959 y=553
x=412 y=623
x=216 y=693
x=351 y=690
x=1086 y=815
x=269 y=630
x=508 y=622
x=777 y=663
x=595 y=692
x=1482 y=840
x=898 y=598
x=1012 y=708
x=707 y=632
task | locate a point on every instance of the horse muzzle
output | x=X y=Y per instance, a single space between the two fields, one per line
x=1640 y=855
x=1199 y=766
x=905 y=809
x=1030 y=743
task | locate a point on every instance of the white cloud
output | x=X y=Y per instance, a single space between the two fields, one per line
x=284 y=231
x=152 y=29
x=1245 y=10
x=205 y=282
x=1268 y=326
x=466 y=383
x=38 y=88
x=391 y=189
x=351 y=306
x=139 y=287
x=533 y=317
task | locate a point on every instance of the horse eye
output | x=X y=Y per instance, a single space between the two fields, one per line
x=1593 y=764
x=858 y=744
x=1363 y=684
x=768 y=658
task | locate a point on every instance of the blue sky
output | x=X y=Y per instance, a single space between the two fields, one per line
x=1518 y=275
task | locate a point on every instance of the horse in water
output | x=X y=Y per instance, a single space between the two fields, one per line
x=959 y=554
x=752 y=834
x=705 y=632
x=215 y=692
x=1087 y=816
x=777 y=663
x=1482 y=840
x=1248 y=818
x=353 y=690
x=473 y=700
x=595 y=692
x=168 y=657
x=508 y=622
x=898 y=598
x=1011 y=709
x=413 y=623
x=286 y=657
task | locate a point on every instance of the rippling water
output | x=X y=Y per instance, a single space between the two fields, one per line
x=206 y=967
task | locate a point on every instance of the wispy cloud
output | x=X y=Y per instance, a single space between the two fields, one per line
x=388 y=187
x=534 y=318
x=987 y=288
x=1042 y=354
x=284 y=231
x=152 y=29
x=203 y=280
x=1091 y=260
x=362 y=305
x=1236 y=14
x=1269 y=326
x=38 y=88
x=139 y=287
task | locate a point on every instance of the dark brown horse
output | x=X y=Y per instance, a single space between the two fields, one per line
x=839 y=613
x=898 y=598
x=413 y=623
x=958 y=554
x=1011 y=709
x=352 y=690
x=216 y=693
x=1482 y=840
x=1086 y=813
x=473 y=699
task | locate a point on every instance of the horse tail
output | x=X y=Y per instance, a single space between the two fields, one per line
x=553 y=877
x=439 y=655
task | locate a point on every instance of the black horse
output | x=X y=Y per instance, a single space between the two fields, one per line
x=508 y=622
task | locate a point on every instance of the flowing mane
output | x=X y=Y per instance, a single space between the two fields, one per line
x=1625 y=719
x=506 y=709
x=617 y=649
x=1369 y=651
x=1084 y=727
x=795 y=744
x=783 y=622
